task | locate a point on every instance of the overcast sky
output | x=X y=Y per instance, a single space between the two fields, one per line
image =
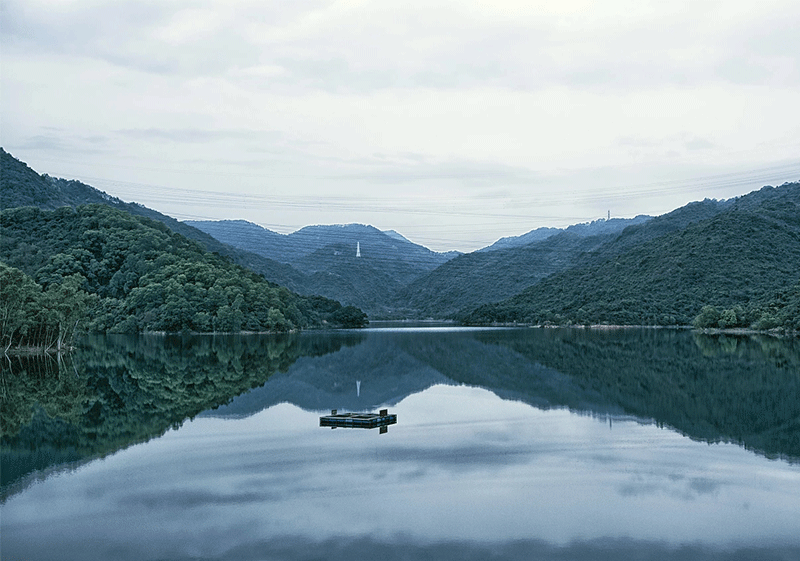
x=454 y=123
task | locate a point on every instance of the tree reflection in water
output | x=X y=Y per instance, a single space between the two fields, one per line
x=119 y=390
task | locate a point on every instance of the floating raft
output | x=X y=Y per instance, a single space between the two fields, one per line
x=358 y=420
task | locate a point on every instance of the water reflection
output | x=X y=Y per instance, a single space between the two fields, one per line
x=466 y=474
x=117 y=391
x=514 y=444
x=707 y=387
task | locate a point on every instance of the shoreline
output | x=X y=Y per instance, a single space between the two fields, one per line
x=612 y=327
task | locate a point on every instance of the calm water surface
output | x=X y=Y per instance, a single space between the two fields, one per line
x=510 y=444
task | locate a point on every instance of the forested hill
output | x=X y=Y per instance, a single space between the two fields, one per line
x=21 y=186
x=141 y=277
x=742 y=263
x=491 y=276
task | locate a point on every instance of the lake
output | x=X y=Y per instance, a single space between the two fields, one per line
x=509 y=444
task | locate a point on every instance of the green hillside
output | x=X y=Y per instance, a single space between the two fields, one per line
x=21 y=186
x=746 y=255
x=144 y=277
x=491 y=276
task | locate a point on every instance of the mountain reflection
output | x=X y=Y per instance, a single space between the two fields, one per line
x=714 y=388
x=118 y=390
x=742 y=389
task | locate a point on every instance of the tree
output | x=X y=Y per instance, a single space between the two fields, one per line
x=349 y=316
x=19 y=300
x=709 y=317
x=37 y=319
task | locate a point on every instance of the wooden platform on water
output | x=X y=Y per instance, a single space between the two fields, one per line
x=358 y=420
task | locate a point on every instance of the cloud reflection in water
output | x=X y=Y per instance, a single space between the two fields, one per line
x=462 y=475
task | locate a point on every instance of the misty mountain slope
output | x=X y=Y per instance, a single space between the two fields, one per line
x=326 y=257
x=743 y=255
x=245 y=236
x=367 y=282
x=340 y=257
x=294 y=247
x=490 y=276
x=534 y=236
x=371 y=240
x=674 y=221
x=595 y=228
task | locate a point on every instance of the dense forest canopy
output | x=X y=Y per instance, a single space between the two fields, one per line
x=141 y=276
x=33 y=317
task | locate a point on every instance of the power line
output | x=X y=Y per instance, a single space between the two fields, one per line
x=483 y=210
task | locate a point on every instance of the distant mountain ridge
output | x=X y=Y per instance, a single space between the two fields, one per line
x=594 y=228
x=292 y=248
x=397 y=278
x=388 y=261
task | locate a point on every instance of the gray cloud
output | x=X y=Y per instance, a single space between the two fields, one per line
x=606 y=107
x=466 y=172
x=465 y=458
x=177 y=500
x=444 y=49
x=677 y=486
x=66 y=143
x=698 y=144
x=197 y=135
